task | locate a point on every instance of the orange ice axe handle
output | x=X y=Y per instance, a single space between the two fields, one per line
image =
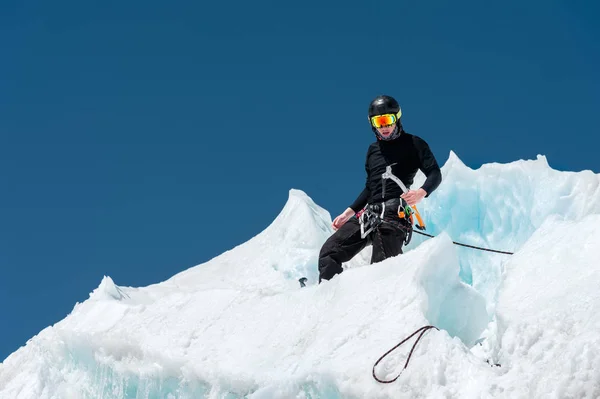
x=420 y=225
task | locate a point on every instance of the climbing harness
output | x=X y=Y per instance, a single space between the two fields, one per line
x=422 y=330
x=370 y=219
x=394 y=212
x=373 y=215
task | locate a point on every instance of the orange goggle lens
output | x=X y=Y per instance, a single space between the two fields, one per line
x=378 y=121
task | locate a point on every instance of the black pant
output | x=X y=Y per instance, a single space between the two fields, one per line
x=346 y=242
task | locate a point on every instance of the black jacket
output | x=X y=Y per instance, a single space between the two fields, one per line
x=407 y=154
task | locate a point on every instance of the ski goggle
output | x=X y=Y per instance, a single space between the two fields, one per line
x=378 y=121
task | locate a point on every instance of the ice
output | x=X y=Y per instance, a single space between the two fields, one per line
x=554 y=323
x=239 y=326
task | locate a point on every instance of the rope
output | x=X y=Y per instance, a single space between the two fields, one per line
x=467 y=245
x=422 y=330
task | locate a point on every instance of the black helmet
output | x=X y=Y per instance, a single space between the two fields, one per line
x=386 y=105
x=383 y=105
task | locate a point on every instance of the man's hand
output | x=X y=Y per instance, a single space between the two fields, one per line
x=343 y=218
x=413 y=197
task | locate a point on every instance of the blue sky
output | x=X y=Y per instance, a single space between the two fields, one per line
x=139 y=139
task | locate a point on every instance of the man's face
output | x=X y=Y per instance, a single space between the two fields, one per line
x=387 y=130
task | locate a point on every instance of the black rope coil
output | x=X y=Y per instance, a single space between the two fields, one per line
x=422 y=330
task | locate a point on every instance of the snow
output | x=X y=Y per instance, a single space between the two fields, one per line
x=240 y=326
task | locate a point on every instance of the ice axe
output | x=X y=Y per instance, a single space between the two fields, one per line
x=389 y=175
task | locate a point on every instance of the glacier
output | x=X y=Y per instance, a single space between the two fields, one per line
x=239 y=326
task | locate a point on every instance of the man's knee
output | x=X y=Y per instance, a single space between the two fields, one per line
x=340 y=247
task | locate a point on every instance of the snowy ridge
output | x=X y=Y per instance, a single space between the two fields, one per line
x=239 y=326
x=284 y=250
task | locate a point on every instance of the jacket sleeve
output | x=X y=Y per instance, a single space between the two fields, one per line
x=364 y=196
x=428 y=165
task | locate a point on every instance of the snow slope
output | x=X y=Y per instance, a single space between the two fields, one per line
x=239 y=326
